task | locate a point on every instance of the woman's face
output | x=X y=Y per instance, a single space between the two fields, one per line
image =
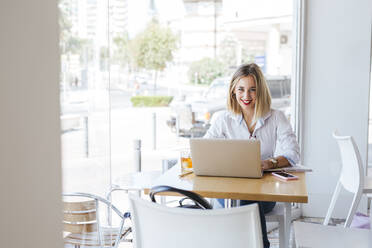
x=245 y=92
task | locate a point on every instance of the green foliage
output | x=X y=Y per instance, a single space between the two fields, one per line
x=103 y=58
x=150 y=101
x=154 y=47
x=228 y=51
x=64 y=22
x=74 y=45
x=70 y=43
x=204 y=71
x=122 y=50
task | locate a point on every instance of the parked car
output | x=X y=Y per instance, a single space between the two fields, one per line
x=194 y=114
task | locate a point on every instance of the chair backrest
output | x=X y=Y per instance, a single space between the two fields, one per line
x=158 y=226
x=80 y=216
x=81 y=220
x=352 y=176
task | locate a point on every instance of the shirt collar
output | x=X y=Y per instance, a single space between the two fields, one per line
x=260 y=122
x=237 y=117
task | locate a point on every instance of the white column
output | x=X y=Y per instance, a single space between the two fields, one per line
x=336 y=94
x=30 y=151
x=272 y=51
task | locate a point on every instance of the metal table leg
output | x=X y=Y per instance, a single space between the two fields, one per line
x=228 y=203
x=287 y=223
x=231 y=203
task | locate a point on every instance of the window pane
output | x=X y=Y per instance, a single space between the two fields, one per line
x=188 y=50
x=84 y=96
x=157 y=71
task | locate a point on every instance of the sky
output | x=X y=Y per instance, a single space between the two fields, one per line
x=139 y=13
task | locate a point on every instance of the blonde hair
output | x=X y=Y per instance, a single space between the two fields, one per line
x=263 y=97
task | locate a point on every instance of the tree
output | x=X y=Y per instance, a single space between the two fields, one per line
x=122 y=51
x=70 y=43
x=204 y=71
x=154 y=48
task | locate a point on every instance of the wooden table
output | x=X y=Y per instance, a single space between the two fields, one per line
x=268 y=188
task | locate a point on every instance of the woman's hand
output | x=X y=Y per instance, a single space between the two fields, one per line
x=282 y=162
x=266 y=164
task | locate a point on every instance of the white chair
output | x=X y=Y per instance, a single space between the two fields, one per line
x=276 y=215
x=351 y=177
x=158 y=226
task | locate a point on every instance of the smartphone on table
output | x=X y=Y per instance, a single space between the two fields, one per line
x=284 y=175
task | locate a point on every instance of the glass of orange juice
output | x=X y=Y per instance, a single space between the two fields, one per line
x=186 y=162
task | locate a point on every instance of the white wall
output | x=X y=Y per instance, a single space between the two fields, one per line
x=336 y=92
x=30 y=192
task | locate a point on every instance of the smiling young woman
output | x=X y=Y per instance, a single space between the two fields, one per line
x=245 y=94
x=249 y=116
x=250 y=75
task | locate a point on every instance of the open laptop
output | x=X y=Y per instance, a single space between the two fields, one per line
x=228 y=158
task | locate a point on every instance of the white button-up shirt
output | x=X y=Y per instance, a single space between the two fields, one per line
x=273 y=130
